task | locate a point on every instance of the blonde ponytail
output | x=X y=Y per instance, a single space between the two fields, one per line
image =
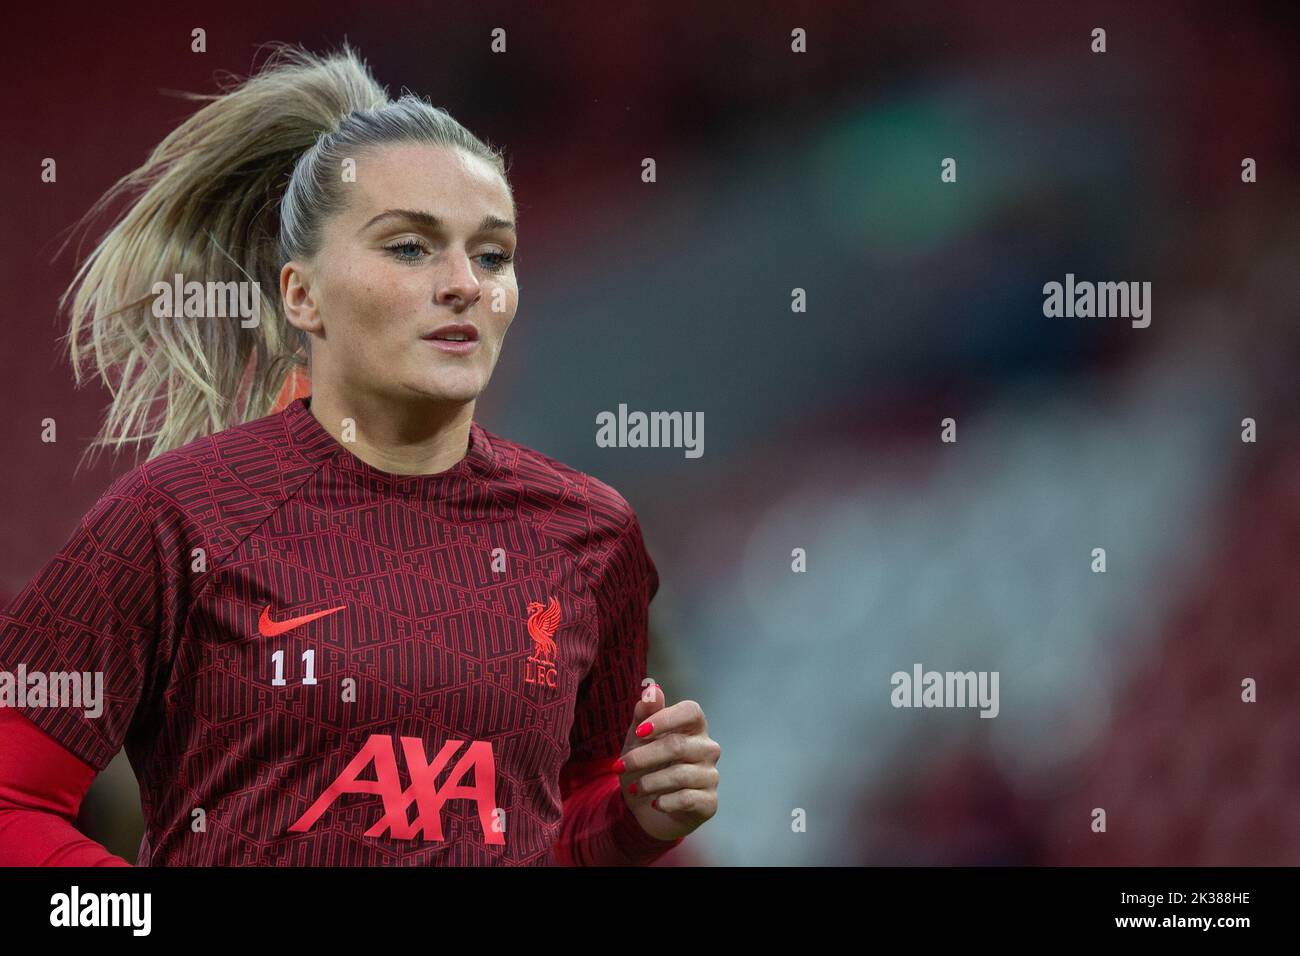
x=239 y=188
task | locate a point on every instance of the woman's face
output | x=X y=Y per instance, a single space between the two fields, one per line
x=426 y=240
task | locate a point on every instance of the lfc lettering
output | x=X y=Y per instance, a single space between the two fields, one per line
x=539 y=671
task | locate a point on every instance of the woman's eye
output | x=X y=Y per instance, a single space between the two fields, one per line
x=411 y=251
x=408 y=251
x=498 y=260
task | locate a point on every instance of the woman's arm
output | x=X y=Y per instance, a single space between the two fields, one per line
x=41 y=789
x=597 y=827
x=101 y=610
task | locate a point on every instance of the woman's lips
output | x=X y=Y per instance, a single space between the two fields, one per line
x=454 y=338
x=453 y=348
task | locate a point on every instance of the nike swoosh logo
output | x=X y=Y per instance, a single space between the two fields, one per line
x=270 y=628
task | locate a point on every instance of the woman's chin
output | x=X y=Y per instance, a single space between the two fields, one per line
x=458 y=390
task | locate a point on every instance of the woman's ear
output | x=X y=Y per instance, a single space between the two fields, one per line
x=300 y=305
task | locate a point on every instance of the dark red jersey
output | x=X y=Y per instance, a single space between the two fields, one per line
x=311 y=661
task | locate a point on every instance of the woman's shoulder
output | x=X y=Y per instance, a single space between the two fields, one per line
x=612 y=534
x=538 y=473
x=215 y=473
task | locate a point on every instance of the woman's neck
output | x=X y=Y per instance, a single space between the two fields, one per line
x=420 y=438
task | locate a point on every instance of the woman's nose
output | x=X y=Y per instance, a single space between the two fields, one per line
x=459 y=282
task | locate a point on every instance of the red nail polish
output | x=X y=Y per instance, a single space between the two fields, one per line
x=645 y=729
x=631 y=788
x=655 y=803
x=619 y=765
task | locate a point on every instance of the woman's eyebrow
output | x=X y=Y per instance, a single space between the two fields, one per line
x=428 y=219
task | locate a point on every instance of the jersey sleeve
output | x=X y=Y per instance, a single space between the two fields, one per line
x=624 y=587
x=597 y=828
x=82 y=645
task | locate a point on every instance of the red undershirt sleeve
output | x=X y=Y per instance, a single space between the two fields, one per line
x=597 y=829
x=42 y=785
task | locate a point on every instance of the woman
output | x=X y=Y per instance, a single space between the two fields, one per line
x=360 y=629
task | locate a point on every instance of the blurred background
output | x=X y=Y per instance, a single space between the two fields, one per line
x=820 y=171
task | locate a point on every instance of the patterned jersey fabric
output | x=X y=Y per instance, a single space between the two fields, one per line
x=310 y=661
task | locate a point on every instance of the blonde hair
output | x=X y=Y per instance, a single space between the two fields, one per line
x=238 y=189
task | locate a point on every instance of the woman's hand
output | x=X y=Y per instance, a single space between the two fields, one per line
x=668 y=770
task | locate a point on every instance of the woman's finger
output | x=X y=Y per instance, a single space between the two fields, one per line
x=671 y=748
x=701 y=803
x=679 y=776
